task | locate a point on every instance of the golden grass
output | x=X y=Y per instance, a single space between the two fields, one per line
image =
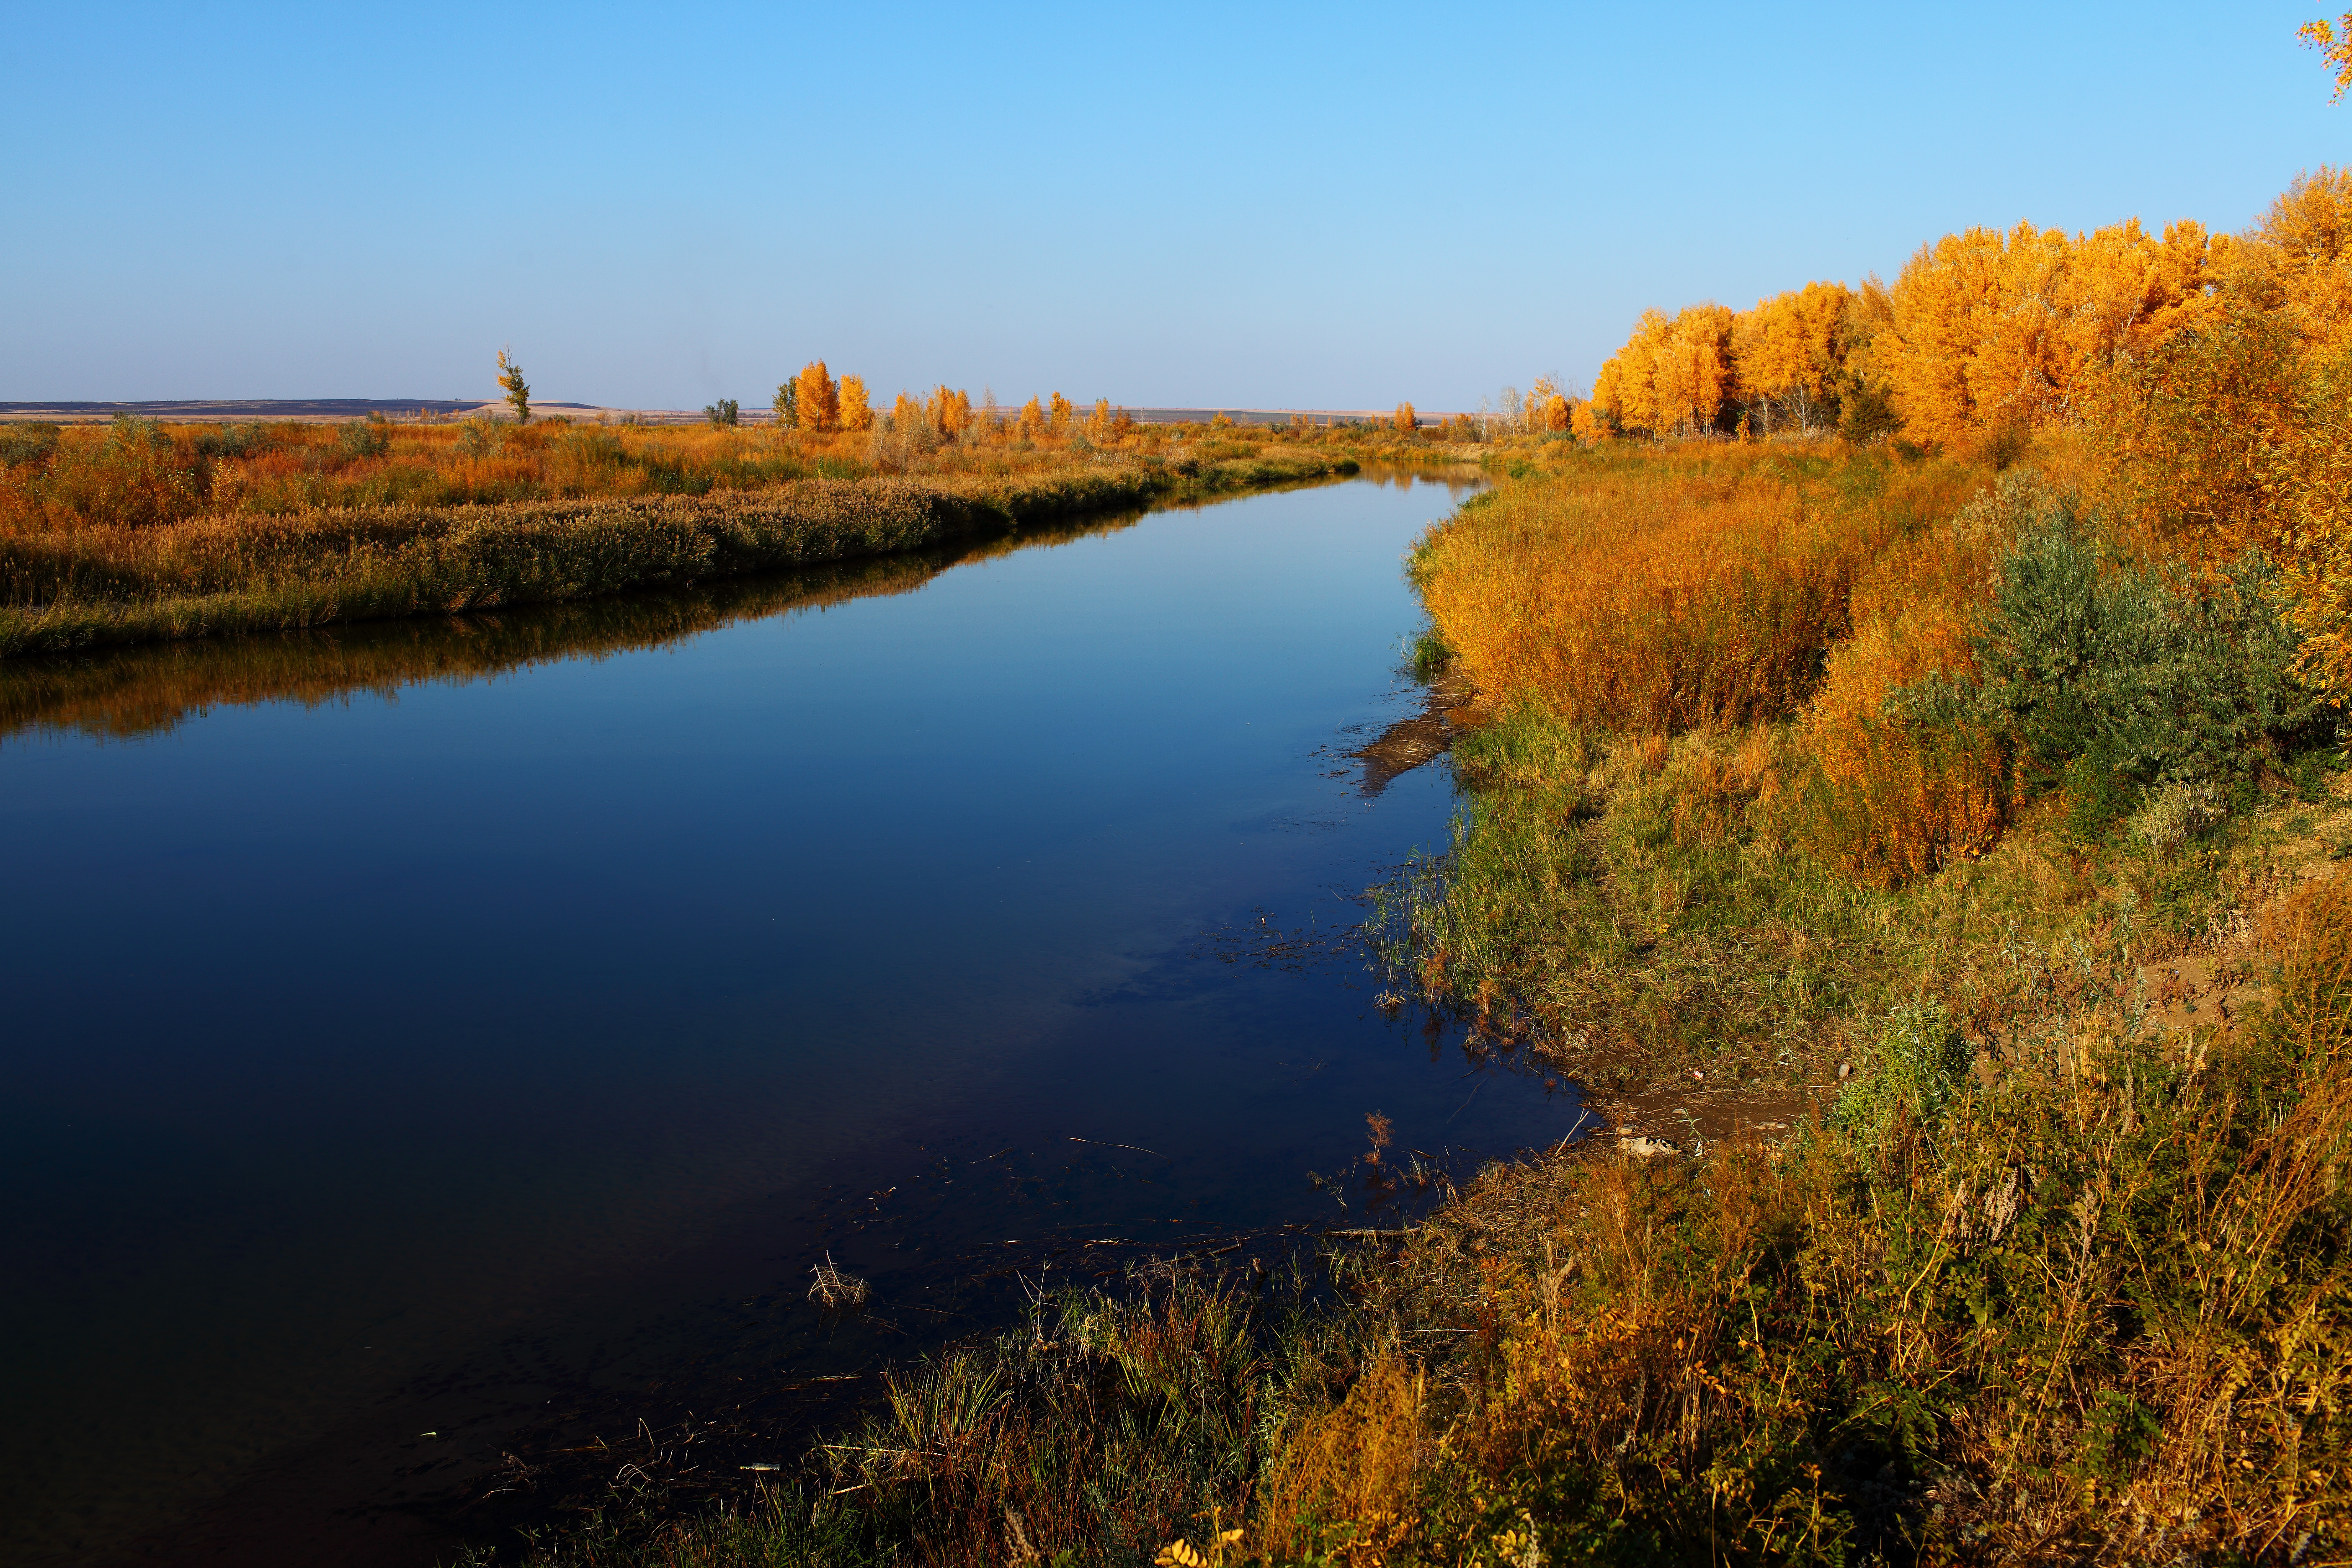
x=1639 y=593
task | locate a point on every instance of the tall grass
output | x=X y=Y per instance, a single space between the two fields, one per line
x=1644 y=592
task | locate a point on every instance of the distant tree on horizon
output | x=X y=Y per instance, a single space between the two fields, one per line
x=1405 y=419
x=517 y=389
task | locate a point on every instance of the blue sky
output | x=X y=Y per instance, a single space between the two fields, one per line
x=1331 y=206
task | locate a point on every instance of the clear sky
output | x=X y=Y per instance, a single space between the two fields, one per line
x=1247 y=205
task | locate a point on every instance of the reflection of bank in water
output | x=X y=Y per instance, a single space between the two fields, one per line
x=140 y=689
x=1415 y=738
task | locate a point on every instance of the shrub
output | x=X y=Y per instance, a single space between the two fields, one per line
x=481 y=438
x=248 y=439
x=2116 y=678
x=362 y=438
x=27 y=443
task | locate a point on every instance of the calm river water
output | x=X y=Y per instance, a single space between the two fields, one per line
x=434 y=1042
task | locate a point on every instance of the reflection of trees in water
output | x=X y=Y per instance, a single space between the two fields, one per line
x=148 y=688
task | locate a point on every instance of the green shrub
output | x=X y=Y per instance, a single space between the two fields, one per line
x=27 y=443
x=2116 y=678
x=243 y=440
x=361 y=438
x=1914 y=1067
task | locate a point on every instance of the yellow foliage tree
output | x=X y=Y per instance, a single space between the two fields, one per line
x=1057 y=418
x=1032 y=420
x=819 y=402
x=1692 y=372
x=1404 y=419
x=2297 y=262
x=949 y=412
x=1789 y=352
x=1099 y=423
x=854 y=413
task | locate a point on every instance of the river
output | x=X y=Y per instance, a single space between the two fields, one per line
x=434 y=1044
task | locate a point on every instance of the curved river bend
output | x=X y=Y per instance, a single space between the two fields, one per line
x=429 y=1038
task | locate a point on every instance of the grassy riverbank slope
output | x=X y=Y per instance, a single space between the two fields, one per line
x=138 y=533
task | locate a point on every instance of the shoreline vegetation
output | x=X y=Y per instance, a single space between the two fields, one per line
x=1915 y=802
x=91 y=583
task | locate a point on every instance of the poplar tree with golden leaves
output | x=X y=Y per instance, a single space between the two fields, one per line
x=518 y=390
x=819 y=400
x=1057 y=417
x=1098 y=422
x=949 y=411
x=1404 y=419
x=1032 y=420
x=855 y=414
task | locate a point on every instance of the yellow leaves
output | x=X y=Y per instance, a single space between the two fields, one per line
x=2335 y=50
x=1224 y=1549
x=854 y=413
x=818 y=400
x=1404 y=419
x=949 y=412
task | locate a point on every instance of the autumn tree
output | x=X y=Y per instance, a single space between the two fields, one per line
x=1790 y=350
x=818 y=399
x=1404 y=419
x=1059 y=416
x=518 y=390
x=787 y=404
x=855 y=414
x=949 y=412
x=1031 y=421
x=1098 y=422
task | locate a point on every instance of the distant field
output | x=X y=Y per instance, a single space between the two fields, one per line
x=271 y=409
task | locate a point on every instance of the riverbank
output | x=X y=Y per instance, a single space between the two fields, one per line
x=245 y=573
x=1975 y=1025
